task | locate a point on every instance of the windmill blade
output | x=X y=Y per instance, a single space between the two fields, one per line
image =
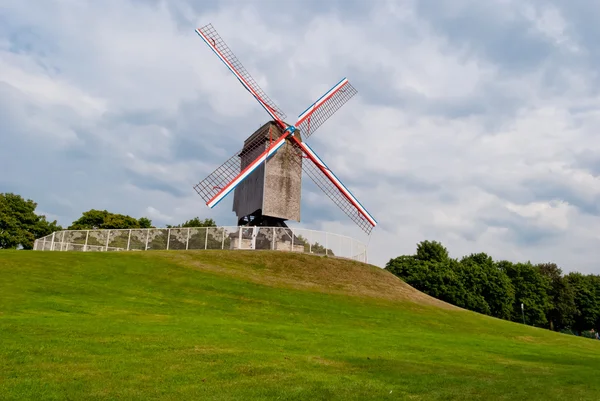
x=214 y=41
x=318 y=171
x=318 y=112
x=230 y=174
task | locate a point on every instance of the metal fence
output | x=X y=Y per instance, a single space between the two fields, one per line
x=249 y=238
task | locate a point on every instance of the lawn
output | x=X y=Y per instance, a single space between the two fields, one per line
x=221 y=325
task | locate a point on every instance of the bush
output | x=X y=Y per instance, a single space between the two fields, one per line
x=588 y=334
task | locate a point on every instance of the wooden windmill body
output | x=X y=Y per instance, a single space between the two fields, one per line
x=271 y=194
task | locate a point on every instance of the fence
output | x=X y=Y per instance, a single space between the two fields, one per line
x=265 y=238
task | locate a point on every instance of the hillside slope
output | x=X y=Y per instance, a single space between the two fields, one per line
x=261 y=325
x=305 y=272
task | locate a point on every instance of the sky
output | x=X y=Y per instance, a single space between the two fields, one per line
x=475 y=123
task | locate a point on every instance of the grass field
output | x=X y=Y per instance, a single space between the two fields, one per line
x=214 y=325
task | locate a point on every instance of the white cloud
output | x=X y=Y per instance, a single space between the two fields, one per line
x=549 y=22
x=554 y=214
x=156 y=214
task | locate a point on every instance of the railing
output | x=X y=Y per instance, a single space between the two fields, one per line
x=254 y=238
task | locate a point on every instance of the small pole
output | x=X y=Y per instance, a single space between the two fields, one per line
x=206 y=239
x=147 y=238
x=44 y=244
x=223 y=238
x=168 y=238
x=240 y=238
x=129 y=239
x=52 y=244
x=523 y=311
x=187 y=241
x=63 y=241
x=310 y=241
x=87 y=234
x=107 y=239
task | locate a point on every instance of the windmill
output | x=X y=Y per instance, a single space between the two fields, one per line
x=265 y=174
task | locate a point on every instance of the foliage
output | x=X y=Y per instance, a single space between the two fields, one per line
x=531 y=290
x=19 y=224
x=568 y=303
x=486 y=281
x=145 y=222
x=440 y=280
x=318 y=249
x=102 y=219
x=195 y=222
x=473 y=283
x=563 y=310
x=431 y=251
x=588 y=334
x=586 y=301
x=315 y=248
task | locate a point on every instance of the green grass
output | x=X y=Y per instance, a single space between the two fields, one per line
x=260 y=325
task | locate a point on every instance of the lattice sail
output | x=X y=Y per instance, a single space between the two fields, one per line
x=215 y=42
x=320 y=111
x=259 y=147
x=324 y=178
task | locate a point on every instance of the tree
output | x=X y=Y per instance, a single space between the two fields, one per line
x=586 y=301
x=482 y=278
x=531 y=289
x=145 y=222
x=563 y=309
x=102 y=219
x=595 y=284
x=19 y=225
x=438 y=279
x=195 y=222
x=315 y=248
x=431 y=251
x=568 y=303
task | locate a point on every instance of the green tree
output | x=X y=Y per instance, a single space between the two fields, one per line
x=315 y=248
x=568 y=303
x=481 y=277
x=437 y=279
x=531 y=289
x=145 y=222
x=563 y=309
x=195 y=222
x=102 y=219
x=431 y=251
x=595 y=284
x=19 y=225
x=586 y=301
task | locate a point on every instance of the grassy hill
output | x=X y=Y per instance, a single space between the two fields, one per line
x=261 y=325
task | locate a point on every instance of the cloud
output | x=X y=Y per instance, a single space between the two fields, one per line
x=474 y=124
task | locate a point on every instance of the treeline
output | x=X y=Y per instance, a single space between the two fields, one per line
x=20 y=225
x=539 y=295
